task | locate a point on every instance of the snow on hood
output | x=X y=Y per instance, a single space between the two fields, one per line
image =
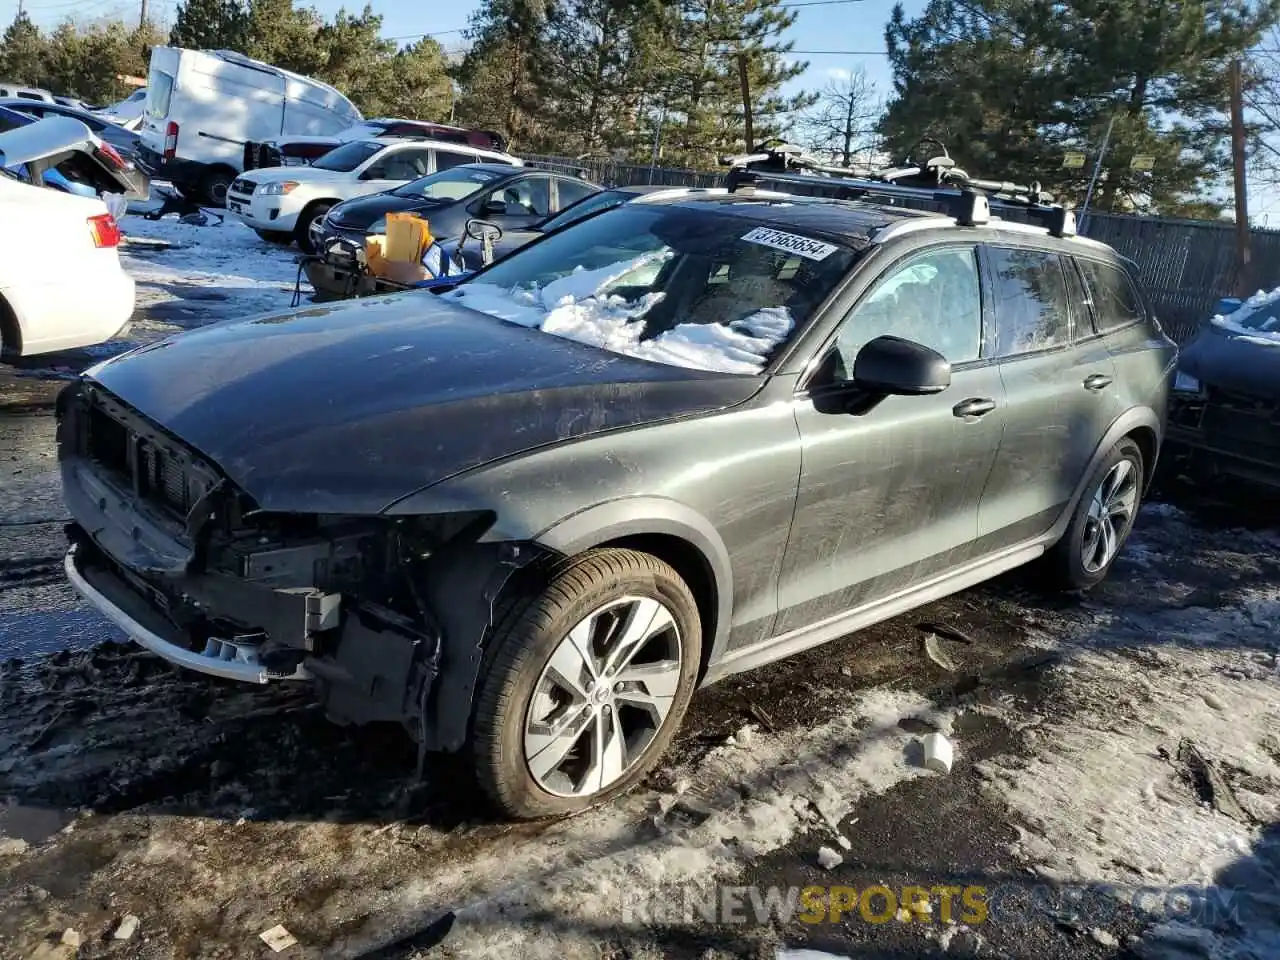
x=572 y=307
x=1233 y=323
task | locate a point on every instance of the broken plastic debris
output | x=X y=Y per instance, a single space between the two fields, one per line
x=71 y=938
x=126 y=928
x=278 y=938
x=828 y=859
x=1104 y=937
x=938 y=753
x=934 y=652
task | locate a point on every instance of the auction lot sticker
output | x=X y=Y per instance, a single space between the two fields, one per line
x=793 y=243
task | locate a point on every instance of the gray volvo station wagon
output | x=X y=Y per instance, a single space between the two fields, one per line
x=527 y=517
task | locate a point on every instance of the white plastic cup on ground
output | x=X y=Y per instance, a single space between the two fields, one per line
x=938 y=753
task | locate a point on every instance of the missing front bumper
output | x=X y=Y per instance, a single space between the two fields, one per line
x=123 y=606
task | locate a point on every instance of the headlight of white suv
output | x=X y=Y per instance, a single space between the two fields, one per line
x=278 y=189
x=1186 y=383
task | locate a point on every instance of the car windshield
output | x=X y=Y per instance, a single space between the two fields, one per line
x=681 y=285
x=452 y=184
x=592 y=203
x=347 y=157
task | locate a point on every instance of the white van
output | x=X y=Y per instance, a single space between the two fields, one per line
x=203 y=106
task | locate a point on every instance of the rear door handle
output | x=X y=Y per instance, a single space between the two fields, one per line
x=973 y=407
x=1097 y=381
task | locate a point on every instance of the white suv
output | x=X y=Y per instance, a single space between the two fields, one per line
x=281 y=203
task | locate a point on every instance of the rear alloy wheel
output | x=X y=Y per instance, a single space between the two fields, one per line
x=1102 y=520
x=214 y=186
x=586 y=684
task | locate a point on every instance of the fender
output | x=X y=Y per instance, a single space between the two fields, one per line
x=1126 y=423
x=632 y=516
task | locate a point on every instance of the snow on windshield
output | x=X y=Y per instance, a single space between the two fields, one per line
x=575 y=307
x=1264 y=331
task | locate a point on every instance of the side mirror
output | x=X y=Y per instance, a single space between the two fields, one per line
x=493 y=208
x=896 y=367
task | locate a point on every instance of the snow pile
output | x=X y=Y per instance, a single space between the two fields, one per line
x=1267 y=334
x=575 y=307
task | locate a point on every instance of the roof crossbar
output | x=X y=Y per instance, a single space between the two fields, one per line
x=937 y=183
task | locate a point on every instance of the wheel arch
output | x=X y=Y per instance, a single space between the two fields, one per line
x=673 y=532
x=1140 y=424
x=10 y=329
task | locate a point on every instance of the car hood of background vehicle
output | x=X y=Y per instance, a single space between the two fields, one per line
x=360 y=213
x=299 y=174
x=348 y=407
x=1234 y=362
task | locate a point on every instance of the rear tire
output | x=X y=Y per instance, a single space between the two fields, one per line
x=1101 y=522
x=302 y=229
x=585 y=684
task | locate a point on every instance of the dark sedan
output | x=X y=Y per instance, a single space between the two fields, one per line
x=512 y=197
x=1225 y=404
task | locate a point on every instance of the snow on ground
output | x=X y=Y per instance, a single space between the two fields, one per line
x=1106 y=799
x=577 y=307
x=748 y=798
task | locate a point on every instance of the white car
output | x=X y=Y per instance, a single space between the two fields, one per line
x=61 y=282
x=281 y=203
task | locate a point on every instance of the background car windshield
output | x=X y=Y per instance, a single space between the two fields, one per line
x=585 y=207
x=685 y=285
x=452 y=184
x=347 y=157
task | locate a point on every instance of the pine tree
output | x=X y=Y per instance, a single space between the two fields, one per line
x=22 y=52
x=210 y=25
x=1010 y=85
x=501 y=88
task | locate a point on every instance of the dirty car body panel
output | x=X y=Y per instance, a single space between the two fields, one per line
x=347 y=493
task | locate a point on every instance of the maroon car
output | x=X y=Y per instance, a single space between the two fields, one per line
x=295 y=151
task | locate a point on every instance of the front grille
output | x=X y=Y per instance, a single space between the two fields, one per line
x=142 y=460
x=241 y=185
x=1243 y=424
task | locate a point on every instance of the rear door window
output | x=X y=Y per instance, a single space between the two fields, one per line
x=159 y=93
x=1115 y=302
x=1031 y=302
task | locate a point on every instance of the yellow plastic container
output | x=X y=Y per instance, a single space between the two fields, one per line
x=408 y=236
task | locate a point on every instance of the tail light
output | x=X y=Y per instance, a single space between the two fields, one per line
x=170 y=140
x=105 y=150
x=105 y=230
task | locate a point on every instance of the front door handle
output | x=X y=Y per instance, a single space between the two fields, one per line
x=973 y=407
x=1097 y=381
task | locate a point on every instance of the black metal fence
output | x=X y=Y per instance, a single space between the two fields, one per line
x=1186 y=265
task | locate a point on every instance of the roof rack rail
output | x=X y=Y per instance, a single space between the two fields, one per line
x=935 y=183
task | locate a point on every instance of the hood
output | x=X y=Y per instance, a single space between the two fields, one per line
x=360 y=213
x=1234 y=361
x=349 y=407
x=302 y=174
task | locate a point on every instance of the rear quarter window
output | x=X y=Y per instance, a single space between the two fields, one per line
x=1115 y=301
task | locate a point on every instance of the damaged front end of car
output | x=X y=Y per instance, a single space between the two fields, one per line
x=387 y=615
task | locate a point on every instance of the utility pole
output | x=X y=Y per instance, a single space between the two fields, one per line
x=1243 y=253
x=1097 y=169
x=142 y=18
x=745 y=84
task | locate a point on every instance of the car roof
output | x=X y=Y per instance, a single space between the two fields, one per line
x=841 y=219
x=863 y=221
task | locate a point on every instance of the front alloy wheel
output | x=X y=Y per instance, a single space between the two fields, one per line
x=602 y=697
x=585 y=683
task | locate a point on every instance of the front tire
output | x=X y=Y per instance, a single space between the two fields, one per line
x=1102 y=520
x=302 y=229
x=585 y=684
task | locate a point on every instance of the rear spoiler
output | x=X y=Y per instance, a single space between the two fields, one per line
x=50 y=143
